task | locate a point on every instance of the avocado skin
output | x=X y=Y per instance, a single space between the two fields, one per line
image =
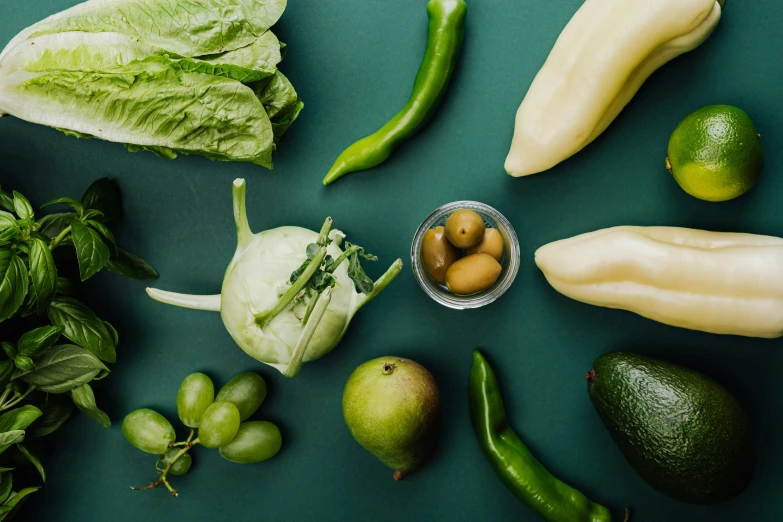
x=682 y=432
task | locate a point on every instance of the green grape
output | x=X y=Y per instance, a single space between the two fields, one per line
x=181 y=465
x=246 y=391
x=255 y=441
x=148 y=430
x=195 y=395
x=219 y=425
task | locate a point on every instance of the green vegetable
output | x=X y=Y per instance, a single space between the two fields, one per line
x=148 y=431
x=684 y=433
x=287 y=296
x=255 y=441
x=167 y=76
x=446 y=32
x=219 y=425
x=518 y=469
x=195 y=395
x=246 y=391
x=42 y=377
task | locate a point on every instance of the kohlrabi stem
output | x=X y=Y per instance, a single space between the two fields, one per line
x=210 y=303
x=324 y=234
x=265 y=317
x=380 y=284
x=59 y=238
x=244 y=234
x=345 y=255
x=297 y=357
x=309 y=310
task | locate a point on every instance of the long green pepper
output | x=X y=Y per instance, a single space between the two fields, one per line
x=446 y=32
x=519 y=470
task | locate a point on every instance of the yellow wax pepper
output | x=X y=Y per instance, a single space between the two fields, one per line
x=599 y=62
x=717 y=282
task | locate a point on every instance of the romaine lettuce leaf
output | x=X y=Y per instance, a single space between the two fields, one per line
x=153 y=105
x=172 y=86
x=188 y=28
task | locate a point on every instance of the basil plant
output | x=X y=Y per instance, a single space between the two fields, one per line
x=289 y=293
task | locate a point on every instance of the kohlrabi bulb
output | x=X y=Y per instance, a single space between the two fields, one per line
x=264 y=312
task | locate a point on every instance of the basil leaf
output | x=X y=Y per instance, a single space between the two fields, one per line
x=113 y=332
x=19 y=418
x=74 y=204
x=14 y=500
x=8 y=227
x=35 y=342
x=24 y=363
x=91 y=214
x=63 y=368
x=104 y=195
x=105 y=232
x=91 y=252
x=6 y=201
x=83 y=327
x=84 y=399
x=6 y=483
x=22 y=207
x=355 y=271
x=131 y=266
x=33 y=460
x=56 y=411
x=13 y=283
x=10 y=437
x=65 y=286
x=43 y=273
x=53 y=224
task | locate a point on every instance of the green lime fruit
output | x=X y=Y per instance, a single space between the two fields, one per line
x=246 y=391
x=148 y=430
x=392 y=408
x=255 y=441
x=715 y=153
x=219 y=425
x=195 y=395
x=180 y=466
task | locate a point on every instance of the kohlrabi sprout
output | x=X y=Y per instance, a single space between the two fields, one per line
x=289 y=293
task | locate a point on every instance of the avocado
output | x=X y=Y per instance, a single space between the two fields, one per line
x=682 y=432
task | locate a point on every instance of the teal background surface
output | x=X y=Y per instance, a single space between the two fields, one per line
x=353 y=63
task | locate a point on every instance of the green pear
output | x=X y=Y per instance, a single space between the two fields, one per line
x=392 y=408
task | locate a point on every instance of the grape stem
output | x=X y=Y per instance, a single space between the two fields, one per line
x=163 y=479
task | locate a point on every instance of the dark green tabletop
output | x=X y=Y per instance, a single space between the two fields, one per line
x=353 y=63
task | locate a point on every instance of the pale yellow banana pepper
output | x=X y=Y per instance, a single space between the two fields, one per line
x=599 y=62
x=716 y=282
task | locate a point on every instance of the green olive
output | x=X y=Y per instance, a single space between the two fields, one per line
x=465 y=228
x=473 y=274
x=255 y=441
x=219 y=425
x=148 y=430
x=438 y=254
x=181 y=466
x=195 y=395
x=491 y=244
x=246 y=391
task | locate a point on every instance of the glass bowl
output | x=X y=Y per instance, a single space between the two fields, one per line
x=510 y=262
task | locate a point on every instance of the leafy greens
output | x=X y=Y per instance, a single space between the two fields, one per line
x=168 y=76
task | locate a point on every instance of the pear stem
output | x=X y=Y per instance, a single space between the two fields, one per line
x=398 y=475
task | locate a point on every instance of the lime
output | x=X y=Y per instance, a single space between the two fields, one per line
x=715 y=153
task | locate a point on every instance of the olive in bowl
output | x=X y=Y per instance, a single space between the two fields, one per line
x=470 y=276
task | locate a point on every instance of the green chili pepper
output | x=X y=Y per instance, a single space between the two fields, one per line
x=519 y=470
x=446 y=31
